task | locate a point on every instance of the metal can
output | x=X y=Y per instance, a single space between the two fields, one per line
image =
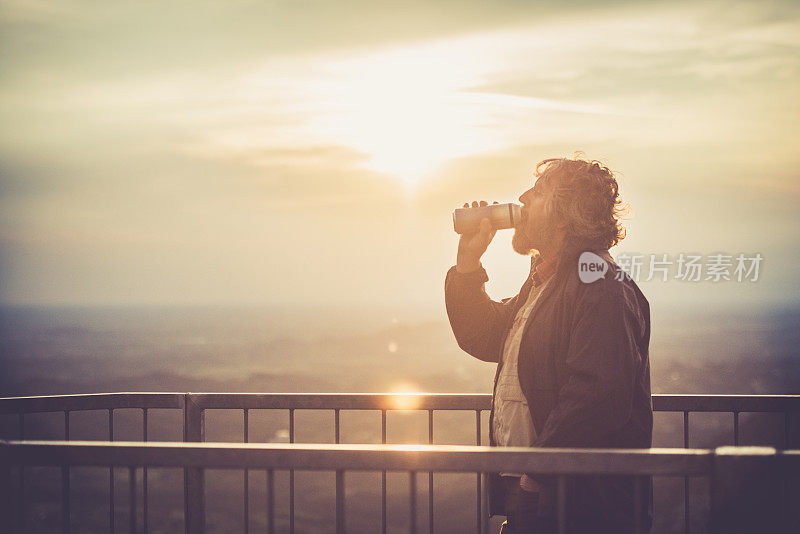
x=501 y=216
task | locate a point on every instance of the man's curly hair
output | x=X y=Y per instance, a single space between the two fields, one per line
x=585 y=199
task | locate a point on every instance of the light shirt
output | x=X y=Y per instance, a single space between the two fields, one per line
x=512 y=420
x=511 y=424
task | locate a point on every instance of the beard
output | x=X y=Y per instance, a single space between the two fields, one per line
x=530 y=237
x=521 y=242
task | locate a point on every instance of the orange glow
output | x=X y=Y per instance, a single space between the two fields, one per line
x=412 y=448
x=405 y=396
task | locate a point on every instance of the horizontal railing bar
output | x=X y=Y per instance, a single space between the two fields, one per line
x=726 y=403
x=91 y=401
x=692 y=462
x=344 y=401
x=791 y=458
x=365 y=401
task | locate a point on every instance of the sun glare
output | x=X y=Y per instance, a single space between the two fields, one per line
x=408 y=109
x=412 y=448
x=405 y=396
x=402 y=111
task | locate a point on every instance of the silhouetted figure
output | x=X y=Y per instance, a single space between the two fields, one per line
x=571 y=348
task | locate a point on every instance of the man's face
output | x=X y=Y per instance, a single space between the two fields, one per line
x=531 y=234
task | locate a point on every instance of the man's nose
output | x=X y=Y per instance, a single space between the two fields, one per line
x=523 y=198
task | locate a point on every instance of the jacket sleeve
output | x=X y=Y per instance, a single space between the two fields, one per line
x=603 y=357
x=478 y=322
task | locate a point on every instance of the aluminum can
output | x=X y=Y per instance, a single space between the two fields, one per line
x=500 y=215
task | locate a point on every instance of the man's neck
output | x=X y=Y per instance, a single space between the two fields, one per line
x=551 y=250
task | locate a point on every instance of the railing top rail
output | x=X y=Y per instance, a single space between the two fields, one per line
x=345 y=401
x=365 y=401
x=726 y=403
x=91 y=401
x=360 y=457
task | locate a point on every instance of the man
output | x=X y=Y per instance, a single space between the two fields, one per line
x=573 y=367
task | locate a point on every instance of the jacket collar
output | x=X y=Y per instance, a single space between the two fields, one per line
x=541 y=269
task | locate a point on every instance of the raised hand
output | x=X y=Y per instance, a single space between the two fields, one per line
x=472 y=245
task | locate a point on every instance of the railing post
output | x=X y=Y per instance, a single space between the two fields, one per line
x=340 y=489
x=6 y=506
x=194 y=513
x=745 y=490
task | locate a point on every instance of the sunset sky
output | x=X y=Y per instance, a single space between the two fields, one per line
x=312 y=152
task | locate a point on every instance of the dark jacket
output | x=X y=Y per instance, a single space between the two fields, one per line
x=583 y=368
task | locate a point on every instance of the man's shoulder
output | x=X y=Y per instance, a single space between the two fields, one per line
x=594 y=274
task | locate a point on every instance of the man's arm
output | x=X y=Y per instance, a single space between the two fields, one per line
x=478 y=322
x=602 y=363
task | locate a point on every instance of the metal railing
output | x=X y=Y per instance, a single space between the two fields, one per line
x=724 y=464
x=194 y=406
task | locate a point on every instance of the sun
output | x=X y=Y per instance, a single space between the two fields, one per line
x=407 y=109
x=402 y=111
x=405 y=396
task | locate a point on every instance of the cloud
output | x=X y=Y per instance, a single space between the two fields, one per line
x=81 y=38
